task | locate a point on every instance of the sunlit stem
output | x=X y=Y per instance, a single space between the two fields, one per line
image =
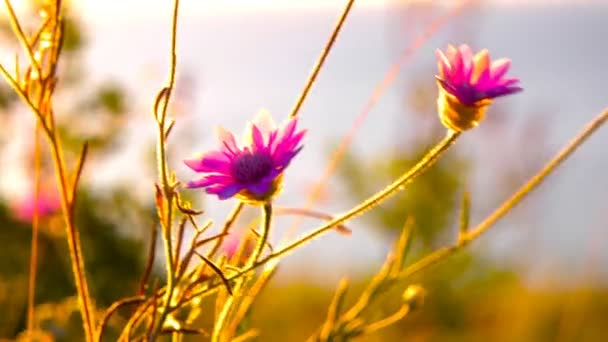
x=267 y=217
x=392 y=319
x=445 y=252
x=31 y=300
x=321 y=60
x=73 y=239
x=222 y=319
x=428 y=160
x=64 y=188
x=167 y=184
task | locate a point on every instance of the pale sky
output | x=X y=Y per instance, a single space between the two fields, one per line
x=95 y=9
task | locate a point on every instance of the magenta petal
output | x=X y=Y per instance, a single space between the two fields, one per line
x=443 y=64
x=284 y=158
x=507 y=82
x=289 y=128
x=258 y=138
x=214 y=161
x=227 y=191
x=499 y=68
x=199 y=183
x=458 y=73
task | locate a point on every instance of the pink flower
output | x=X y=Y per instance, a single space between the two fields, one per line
x=251 y=171
x=468 y=84
x=47 y=204
x=474 y=78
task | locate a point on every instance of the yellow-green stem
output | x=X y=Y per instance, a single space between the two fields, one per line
x=512 y=201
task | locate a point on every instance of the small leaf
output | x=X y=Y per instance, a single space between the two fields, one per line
x=217 y=271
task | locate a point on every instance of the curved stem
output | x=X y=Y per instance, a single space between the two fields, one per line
x=428 y=160
x=394 y=318
x=512 y=201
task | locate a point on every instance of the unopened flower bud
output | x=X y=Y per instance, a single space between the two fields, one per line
x=414 y=296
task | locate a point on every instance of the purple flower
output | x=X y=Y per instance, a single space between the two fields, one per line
x=253 y=170
x=474 y=78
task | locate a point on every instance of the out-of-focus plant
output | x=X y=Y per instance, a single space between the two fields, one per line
x=206 y=292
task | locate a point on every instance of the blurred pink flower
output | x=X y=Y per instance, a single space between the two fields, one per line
x=47 y=204
x=252 y=171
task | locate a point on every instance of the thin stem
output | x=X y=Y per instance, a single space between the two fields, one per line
x=73 y=241
x=321 y=60
x=21 y=36
x=267 y=218
x=113 y=308
x=167 y=218
x=24 y=97
x=222 y=319
x=397 y=316
x=170 y=283
x=512 y=201
x=35 y=225
x=428 y=160
x=385 y=83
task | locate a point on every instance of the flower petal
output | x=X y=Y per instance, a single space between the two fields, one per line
x=257 y=138
x=227 y=191
x=443 y=64
x=481 y=62
x=209 y=180
x=458 y=68
x=227 y=139
x=214 y=161
x=499 y=68
x=264 y=121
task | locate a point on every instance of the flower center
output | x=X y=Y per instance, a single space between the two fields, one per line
x=251 y=167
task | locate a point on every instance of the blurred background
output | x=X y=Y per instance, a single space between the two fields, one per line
x=539 y=275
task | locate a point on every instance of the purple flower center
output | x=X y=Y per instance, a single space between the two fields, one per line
x=251 y=167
